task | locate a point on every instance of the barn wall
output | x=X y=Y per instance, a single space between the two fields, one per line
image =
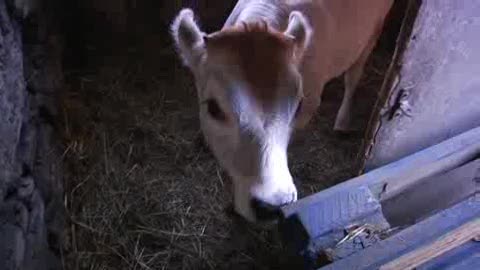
x=121 y=24
x=135 y=18
x=436 y=92
x=30 y=186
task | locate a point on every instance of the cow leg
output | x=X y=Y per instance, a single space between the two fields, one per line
x=352 y=77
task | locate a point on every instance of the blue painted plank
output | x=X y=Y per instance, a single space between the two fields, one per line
x=322 y=225
x=305 y=224
x=432 y=194
x=339 y=210
x=464 y=257
x=434 y=160
x=412 y=238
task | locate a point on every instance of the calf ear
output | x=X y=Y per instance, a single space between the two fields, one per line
x=300 y=31
x=188 y=38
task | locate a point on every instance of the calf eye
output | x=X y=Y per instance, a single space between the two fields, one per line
x=215 y=111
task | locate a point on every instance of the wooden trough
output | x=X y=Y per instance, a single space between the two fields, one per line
x=443 y=178
x=418 y=204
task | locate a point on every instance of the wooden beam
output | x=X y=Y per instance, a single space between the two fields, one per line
x=432 y=194
x=446 y=243
x=389 y=180
x=416 y=236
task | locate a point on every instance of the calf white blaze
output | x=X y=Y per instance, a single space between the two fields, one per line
x=262 y=75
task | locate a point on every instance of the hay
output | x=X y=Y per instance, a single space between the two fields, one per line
x=141 y=193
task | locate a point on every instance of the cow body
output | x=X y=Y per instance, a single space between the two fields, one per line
x=344 y=33
x=263 y=74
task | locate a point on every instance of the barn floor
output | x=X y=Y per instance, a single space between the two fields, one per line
x=142 y=192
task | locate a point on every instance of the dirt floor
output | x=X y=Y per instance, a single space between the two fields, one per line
x=142 y=192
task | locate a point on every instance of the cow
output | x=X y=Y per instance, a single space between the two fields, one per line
x=262 y=76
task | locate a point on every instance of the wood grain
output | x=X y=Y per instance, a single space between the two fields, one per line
x=446 y=243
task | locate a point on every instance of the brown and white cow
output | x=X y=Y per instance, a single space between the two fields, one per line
x=263 y=74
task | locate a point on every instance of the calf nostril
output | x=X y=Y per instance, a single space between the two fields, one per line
x=265 y=211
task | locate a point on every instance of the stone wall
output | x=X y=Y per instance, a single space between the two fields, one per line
x=32 y=34
x=30 y=186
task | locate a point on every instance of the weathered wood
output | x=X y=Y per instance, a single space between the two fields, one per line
x=322 y=225
x=432 y=161
x=413 y=237
x=308 y=230
x=446 y=243
x=435 y=91
x=463 y=257
x=389 y=80
x=432 y=194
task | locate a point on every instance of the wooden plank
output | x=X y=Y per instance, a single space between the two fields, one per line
x=339 y=210
x=463 y=257
x=432 y=194
x=298 y=226
x=411 y=238
x=446 y=243
x=391 y=77
x=435 y=160
x=397 y=184
x=322 y=225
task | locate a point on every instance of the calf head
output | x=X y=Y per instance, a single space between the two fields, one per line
x=250 y=91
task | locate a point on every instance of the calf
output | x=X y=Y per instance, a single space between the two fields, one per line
x=263 y=75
